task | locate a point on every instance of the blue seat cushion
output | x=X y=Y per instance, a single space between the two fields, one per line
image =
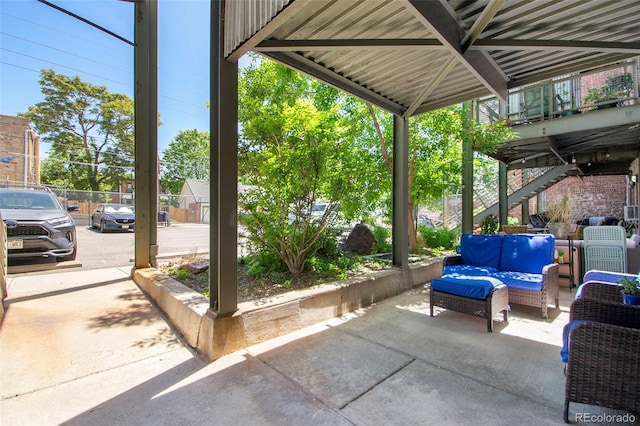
x=475 y=271
x=481 y=250
x=466 y=286
x=527 y=253
x=566 y=332
x=519 y=280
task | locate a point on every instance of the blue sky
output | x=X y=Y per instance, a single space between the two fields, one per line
x=35 y=36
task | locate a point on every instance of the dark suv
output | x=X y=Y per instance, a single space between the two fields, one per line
x=37 y=224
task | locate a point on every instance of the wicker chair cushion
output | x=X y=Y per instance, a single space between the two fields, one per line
x=527 y=253
x=465 y=286
x=474 y=271
x=481 y=250
x=566 y=332
x=606 y=276
x=520 y=280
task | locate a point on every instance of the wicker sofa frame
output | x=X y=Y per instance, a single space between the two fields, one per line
x=550 y=291
x=603 y=366
x=497 y=301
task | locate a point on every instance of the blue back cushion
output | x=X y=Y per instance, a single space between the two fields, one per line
x=527 y=253
x=474 y=271
x=481 y=250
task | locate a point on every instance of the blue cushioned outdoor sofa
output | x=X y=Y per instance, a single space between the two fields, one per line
x=523 y=262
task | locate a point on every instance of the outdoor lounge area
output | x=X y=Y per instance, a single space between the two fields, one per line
x=117 y=346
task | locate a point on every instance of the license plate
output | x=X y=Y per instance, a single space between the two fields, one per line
x=15 y=244
x=125 y=226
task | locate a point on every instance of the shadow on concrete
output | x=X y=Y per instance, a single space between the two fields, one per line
x=387 y=364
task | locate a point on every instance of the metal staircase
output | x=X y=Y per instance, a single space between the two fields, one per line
x=485 y=199
x=550 y=177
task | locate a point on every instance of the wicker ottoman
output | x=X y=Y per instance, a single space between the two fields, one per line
x=479 y=296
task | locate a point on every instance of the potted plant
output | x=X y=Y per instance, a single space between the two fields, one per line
x=612 y=94
x=559 y=214
x=489 y=225
x=513 y=226
x=630 y=290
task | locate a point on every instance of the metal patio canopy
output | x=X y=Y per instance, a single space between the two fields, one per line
x=410 y=56
x=405 y=56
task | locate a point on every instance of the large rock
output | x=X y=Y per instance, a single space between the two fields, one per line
x=360 y=240
x=195 y=267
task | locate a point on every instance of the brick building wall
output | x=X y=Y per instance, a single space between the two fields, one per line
x=19 y=151
x=592 y=196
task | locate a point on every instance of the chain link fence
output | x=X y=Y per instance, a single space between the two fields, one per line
x=171 y=208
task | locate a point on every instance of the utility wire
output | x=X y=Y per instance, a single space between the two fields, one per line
x=64 y=66
x=118 y=82
x=67 y=161
x=86 y=21
x=67 y=52
x=73 y=36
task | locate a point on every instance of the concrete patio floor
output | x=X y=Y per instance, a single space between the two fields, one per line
x=88 y=348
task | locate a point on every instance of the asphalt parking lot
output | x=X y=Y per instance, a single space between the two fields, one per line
x=114 y=249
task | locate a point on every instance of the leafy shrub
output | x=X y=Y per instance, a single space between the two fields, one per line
x=327 y=245
x=181 y=274
x=262 y=261
x=442 y=238
x=382 y=236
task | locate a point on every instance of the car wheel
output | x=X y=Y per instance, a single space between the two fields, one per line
x=92 y=223
x=102 y=226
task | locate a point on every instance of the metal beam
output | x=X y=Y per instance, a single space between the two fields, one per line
x=291 y=10
x=467 y=173
x=223 y=229
x=348 y=44
x=451 y=100
x=503 y=196
x=553 y=146
x=334 y=79
x=272 y=45
x=440 y=75
x=400 y=192
x=487 y=14
x=146 y=132
x=628 y=115
x=438 y=17
x=557 y=45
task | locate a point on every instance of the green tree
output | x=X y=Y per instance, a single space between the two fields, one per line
x=294 y=150
x=187 y=157
x=90 y=129
x=435 y=151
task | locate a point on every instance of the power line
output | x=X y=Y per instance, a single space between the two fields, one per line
x=46 y=141
x=86 y=21
x=73 y=36
x=66 y=52
x=160 y=96
x=64 y=66
x=66 y=161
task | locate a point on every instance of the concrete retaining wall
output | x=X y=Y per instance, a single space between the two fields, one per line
x=188 y=311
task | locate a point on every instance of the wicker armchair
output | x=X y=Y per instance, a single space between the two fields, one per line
x=603 y=365
x=602 y=291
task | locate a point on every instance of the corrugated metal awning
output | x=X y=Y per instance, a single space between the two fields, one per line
x=411 y=56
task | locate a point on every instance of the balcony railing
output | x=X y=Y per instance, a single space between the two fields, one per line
x=606 y=87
